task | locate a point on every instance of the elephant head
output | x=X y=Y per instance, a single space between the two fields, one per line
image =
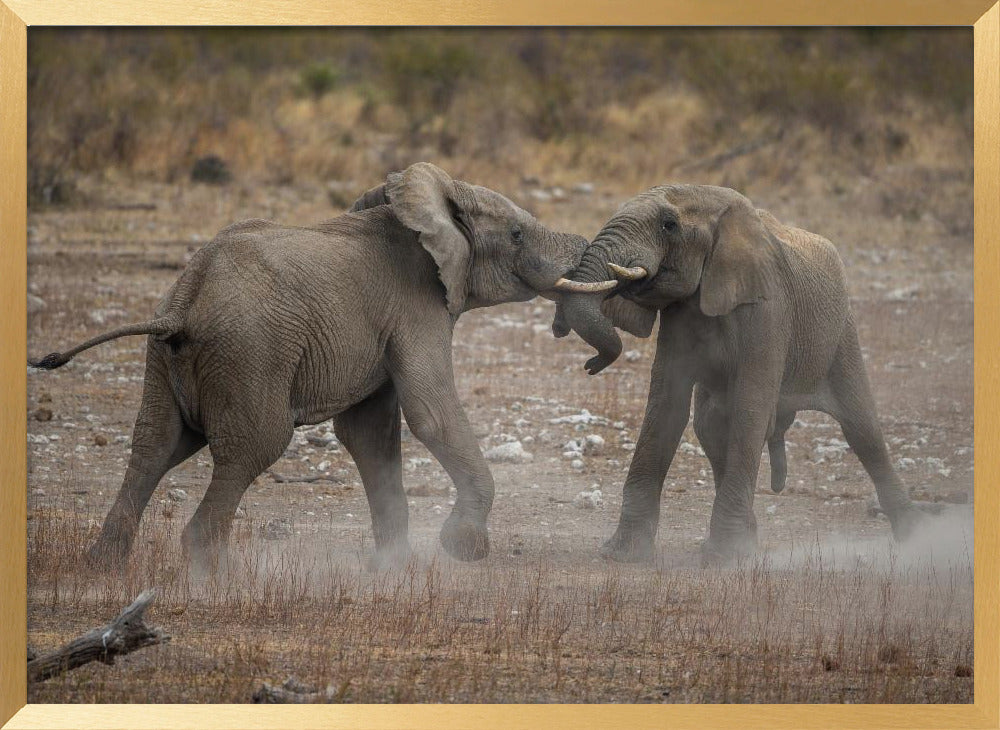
x=668 y=244
x=487 y=249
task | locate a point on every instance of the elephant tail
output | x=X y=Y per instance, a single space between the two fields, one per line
x=779 y=465
x=162 y=327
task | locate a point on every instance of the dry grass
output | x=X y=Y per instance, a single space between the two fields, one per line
x=526 y=627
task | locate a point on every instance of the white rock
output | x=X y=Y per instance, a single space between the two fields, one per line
x=772 y=509
x=633 y=356
x=323 y=466
x=576 y=463
x=593 y=445
x=583 y=417
x=35 y=304
x=628 y=446
x=689 y=448
x=589 y=499
x=583 y=188
x=905 y=462
x=511 y=452
x=37 y=438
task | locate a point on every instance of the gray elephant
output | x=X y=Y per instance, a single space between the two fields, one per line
x=273 y=326
x=755 y=322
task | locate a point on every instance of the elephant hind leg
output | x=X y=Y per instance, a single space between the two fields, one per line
x=245 y=440
x=854 y=408
x=160 y=441
x=776 y=450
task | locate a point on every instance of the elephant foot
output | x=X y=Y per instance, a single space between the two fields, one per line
x=465 y=538
x=633 y=545
x=393 y=555
x=107 y=554
x=906 y=522
x=724 y=550
x=205 y=556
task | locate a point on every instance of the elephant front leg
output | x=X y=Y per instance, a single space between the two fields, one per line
x=666 y=416
x=733 y=526
x=423 y=379
x=370 y=432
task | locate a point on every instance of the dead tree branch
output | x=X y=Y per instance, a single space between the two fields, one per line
x=127 y=633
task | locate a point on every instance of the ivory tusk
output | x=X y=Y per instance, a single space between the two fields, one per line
x=630 y=274
x=580 y=286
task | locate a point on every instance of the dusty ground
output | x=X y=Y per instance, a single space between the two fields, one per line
x=828 y=612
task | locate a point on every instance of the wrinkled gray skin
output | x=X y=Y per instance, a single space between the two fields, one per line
x=272 y=327
x=755 y=323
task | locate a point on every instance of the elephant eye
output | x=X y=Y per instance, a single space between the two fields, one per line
x=517 y=235
x=669 y=225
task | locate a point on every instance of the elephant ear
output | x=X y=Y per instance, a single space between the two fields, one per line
x=372 y=198
x=629 y=316
x=423 y=199
x=735 y=270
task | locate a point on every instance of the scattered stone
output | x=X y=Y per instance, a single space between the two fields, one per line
x=632 y=356
x=278 y=528
x=576 y=464
x=542 y=196
x=688 y=448
x=323 y=466
x=584 y=188
x=43 y=414
x=584 y=417
x=771 y=509
x=37 y=438
x=593 y=445
x=511 y=452
x=416 y=462
x=589 y=499
x=905 y=462
x=100 y=439
x=35 y=304
x=241 y=514
x=322 y=440
x=177 y=495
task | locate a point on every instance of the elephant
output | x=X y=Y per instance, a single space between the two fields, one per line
x=274 y=326
x=755 y=325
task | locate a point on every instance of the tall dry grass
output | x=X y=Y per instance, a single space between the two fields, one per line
x=350 y=105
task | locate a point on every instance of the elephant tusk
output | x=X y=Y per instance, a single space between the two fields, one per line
x=630 y=274
x=580 y=286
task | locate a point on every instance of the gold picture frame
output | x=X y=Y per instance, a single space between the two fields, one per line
x=17 y=15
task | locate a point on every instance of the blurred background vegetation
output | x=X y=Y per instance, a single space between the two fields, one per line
x=637 y=106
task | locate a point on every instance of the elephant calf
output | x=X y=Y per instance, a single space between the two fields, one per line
x=755 y=322
x=273 y=326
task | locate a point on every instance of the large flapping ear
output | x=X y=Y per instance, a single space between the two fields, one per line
x=423 y=199
x=734 y=272
x=629 y=316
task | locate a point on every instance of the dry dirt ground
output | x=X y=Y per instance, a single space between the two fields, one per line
x=828 y=611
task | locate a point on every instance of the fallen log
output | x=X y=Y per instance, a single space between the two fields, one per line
x=127 y=633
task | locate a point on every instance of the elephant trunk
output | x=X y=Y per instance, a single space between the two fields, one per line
x=582 y=311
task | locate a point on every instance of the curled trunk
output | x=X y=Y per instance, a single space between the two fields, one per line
x=582 y=311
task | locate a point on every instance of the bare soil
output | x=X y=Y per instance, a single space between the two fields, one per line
x=828 y=611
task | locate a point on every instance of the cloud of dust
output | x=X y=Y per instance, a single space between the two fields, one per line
x=942 y=542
